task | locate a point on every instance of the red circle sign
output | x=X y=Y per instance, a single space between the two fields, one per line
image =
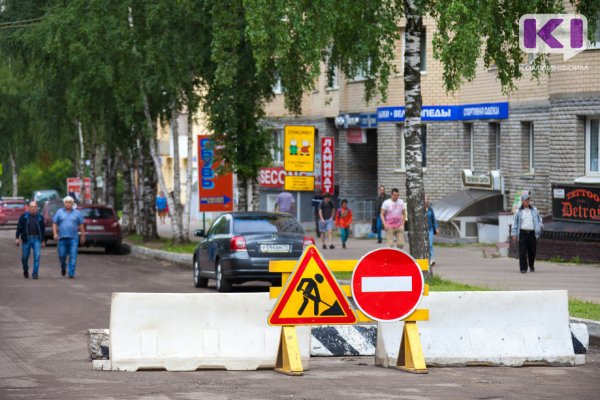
x=387 y=284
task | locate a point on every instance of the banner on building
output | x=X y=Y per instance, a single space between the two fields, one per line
x=576 y=203
x=74 y=190
x=299 y=148
x=447 y=113
x=274 y=177
x=215 y=190
x=327 y=164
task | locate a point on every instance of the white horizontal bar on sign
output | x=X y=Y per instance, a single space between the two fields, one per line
x=386 y=284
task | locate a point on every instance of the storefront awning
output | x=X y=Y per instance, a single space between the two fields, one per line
x=469 y=202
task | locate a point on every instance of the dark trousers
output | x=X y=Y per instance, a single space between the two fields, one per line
x=317 y=219
x=527 y=244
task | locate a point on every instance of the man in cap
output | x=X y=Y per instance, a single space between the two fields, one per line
x=527 y=228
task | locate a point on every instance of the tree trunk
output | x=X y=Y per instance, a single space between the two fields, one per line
x=255 y=197
x=81 y=163
x=93 y=171
x=15 y=176
x=149 y=199
x=111 y=166
x=242 y=193
x=177 y=220
x=151 y=132
x=127 y=219
x=417 y=220
x=189 y=178
x=135 y=194
x=141 y=189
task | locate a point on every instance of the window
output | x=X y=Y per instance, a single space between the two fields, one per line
x=334 y=81
x=424 y=144
x=400 y=146
x=527 y=147
x=596 y=35
x=220 y=227
x=277 y=149
x=592 y=146
x=495 y=145
x=470 y=144
x=277 y=88
x=423 y=50
x=362 y=73
x=266 y=224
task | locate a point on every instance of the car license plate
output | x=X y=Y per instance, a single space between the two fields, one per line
x=95 y=228
x=274 y=248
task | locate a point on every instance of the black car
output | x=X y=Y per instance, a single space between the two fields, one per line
x=238 y=247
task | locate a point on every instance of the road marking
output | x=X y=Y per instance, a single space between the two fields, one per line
x=386 y=284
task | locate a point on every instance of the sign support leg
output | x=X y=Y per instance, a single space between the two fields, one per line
x=289 y=361
x=410 y=356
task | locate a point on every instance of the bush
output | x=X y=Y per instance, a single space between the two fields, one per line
x=35 y=177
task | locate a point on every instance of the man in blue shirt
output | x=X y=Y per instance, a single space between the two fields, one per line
x=67 y=224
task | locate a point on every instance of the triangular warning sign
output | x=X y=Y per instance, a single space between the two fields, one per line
x=312 y=296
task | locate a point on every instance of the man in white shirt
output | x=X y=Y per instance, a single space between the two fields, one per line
x=527 y=228
x=393 y=216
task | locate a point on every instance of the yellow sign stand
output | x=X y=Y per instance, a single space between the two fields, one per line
x=410 y=355
x=289 y=361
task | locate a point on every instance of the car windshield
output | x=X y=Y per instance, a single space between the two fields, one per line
x=97 y=213
x=266 y=224
x=53 y=207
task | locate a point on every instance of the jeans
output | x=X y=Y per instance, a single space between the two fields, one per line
x=378 y=228
x=36 y=244
x=345 y=232
x=68 y=246
x=430 y=244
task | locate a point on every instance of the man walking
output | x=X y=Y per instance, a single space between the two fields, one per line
x=432 y=228
x=381 y=197
x=326 y=214
x=527 y=228
x=393 y=215
x=30 y=232
x=67 y=223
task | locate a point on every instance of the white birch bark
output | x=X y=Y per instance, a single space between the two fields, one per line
x=177 y=220
x=81 y=162
x=15 y=175
x=188 y=184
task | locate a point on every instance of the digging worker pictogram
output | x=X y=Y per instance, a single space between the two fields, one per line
x=310 y=291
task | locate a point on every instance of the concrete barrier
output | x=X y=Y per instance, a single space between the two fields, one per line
x=186 y=332
x=488 y=328
x=343 y=340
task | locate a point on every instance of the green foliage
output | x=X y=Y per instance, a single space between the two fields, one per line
x=584 y=309
x=35 y=176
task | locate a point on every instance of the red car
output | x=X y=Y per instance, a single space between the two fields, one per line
x=48 y=210
x=11 y=210
x=102 y=227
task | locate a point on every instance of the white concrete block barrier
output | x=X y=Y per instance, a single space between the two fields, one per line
x=186 y=332
x=488 y=328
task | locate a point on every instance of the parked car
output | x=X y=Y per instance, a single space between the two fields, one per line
x=102 y=227
x=50 y=208
x=238 y=247
x=42 y=196
x=11 y=208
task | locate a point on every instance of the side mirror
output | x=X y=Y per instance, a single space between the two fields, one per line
x=199 y=233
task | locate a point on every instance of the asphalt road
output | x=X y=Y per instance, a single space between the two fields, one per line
x=43 y=350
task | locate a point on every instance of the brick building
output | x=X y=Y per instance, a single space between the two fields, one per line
x=544 y=133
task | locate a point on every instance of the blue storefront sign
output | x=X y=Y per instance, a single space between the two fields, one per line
x=447 y=113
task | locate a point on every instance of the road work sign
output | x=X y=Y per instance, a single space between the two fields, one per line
x=387 y=285
x=312 y=296
x=299 y=148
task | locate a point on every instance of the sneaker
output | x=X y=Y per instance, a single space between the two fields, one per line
x=531 y=269
x=343 y=245
x=379 y=241
x=332 y=247
x=26 y=274
x=432 y=263
x=524 y=272
x=71 y=276
x=63 y=271
x=324 y=247
x=34 y=276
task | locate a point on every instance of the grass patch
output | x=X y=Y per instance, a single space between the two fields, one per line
x=437 y=284
x=584 y=309
x=162 y=244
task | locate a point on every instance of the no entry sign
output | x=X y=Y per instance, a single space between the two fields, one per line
x=387 y=285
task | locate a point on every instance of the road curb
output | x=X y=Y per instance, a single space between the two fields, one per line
x=182 y=260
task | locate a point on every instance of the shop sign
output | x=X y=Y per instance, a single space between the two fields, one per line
x=447 y=112
x=327 y=163
x=576 y=203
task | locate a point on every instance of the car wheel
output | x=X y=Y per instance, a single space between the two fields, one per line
x=223 y=285
x=198 y=281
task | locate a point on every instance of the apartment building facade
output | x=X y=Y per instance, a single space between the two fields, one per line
x=481 y=149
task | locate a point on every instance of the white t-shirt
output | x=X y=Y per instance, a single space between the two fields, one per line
x=526 y=219
x=393 y=212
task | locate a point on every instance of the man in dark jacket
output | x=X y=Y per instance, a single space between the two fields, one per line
x=30 y=232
